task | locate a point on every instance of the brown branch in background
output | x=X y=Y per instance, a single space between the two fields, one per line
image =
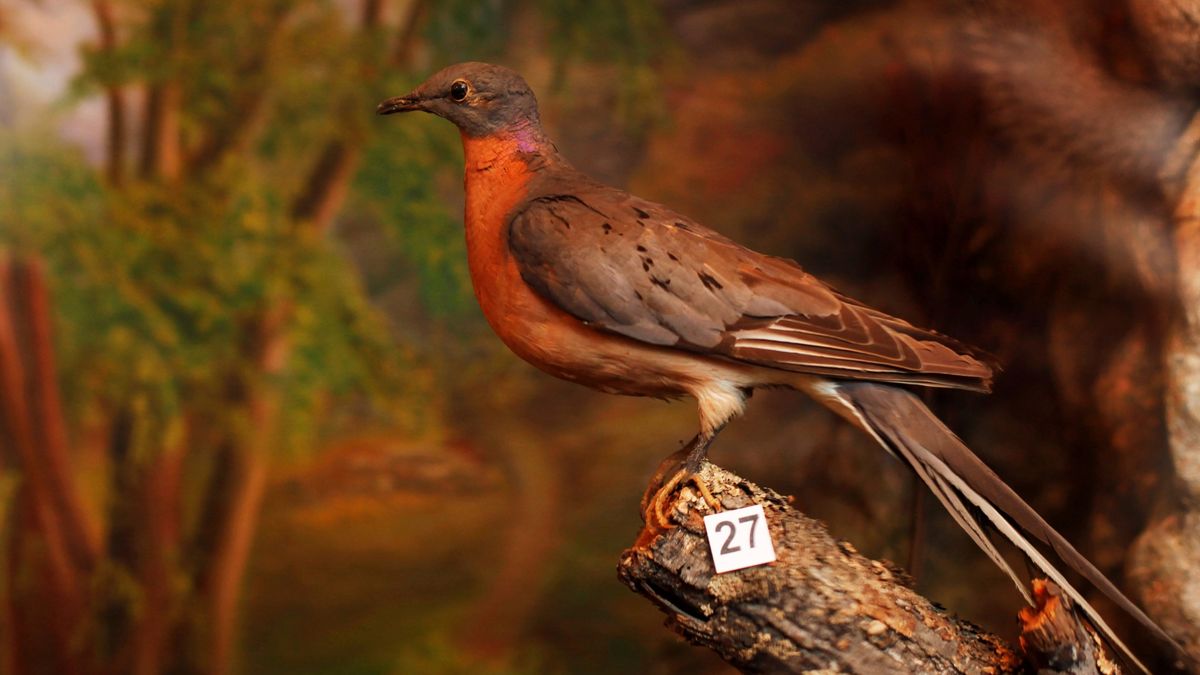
x=246 y=125
x=162 y=154
x=244 y=483
x=121 y=541
x=327 y=185
x=113 y=94
x=371 y=12
x=820 y=606
x=159 y=505
x=142 y=543
x=237 y=136
x=83 y=542
x=12 y=646
x=10 y=643
x=406 y=37
x=248 y=114
x=247 y=485
x=160 y=138
x=329 y=181
x=42 y=523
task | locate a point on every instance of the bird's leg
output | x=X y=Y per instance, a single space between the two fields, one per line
x=667 y=467
x=694 y=453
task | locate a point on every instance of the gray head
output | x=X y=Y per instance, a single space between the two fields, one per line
x=479 y=98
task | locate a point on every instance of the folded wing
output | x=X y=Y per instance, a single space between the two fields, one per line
x=635 y=268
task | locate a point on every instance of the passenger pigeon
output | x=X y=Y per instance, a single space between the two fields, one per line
x=594 y=285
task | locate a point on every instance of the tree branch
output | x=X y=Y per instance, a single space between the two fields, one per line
x=1054 y=638
x=162 y=152
x=81 y=538
x=820 y=606
x=20 y=439
x=406 y=37
x=114 y=95
x=328 y=182
x=160 y=138
x=249 y=110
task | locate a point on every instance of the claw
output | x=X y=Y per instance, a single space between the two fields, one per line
x=667 y=467
x=656 y=512
x=683 y=466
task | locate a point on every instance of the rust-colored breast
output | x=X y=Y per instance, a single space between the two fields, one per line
x=497 y=181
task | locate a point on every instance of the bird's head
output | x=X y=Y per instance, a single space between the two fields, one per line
x=479 y=98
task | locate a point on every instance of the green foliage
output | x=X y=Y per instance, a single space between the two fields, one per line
x=159 y=289
x=627 y=33
x=468 y=30
x=398 y=188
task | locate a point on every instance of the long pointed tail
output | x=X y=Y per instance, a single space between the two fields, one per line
x=968 y=488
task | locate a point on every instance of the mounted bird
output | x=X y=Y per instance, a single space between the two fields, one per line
x=597 y=286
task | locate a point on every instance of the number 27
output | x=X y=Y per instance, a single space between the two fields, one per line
x=728 y=547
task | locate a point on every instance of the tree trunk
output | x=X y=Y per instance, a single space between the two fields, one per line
x=159 y=506
x=242 y=486
x=82 y=539
x=248 y=114
x=328 y=184
x=162 y=154
x=819 y=607
x=160 y=139
x=47 y=541
x=223 y=587
x=113 y=94
x=329 y=181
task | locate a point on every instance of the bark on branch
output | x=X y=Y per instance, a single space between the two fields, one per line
x=1053 y=638
x=820 y=606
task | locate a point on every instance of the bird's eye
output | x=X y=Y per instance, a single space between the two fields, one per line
x=458 y=90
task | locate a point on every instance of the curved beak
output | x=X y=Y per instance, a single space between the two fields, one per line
x=399 y=104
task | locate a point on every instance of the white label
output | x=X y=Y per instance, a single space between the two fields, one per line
x=739 y=538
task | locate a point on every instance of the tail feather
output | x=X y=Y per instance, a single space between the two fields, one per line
x=905 y=426
x=962 y=515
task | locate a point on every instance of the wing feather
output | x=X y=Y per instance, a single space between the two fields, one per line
x=635 y=268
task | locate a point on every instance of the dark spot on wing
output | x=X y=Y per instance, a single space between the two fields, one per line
x=640 y=213
x=661 y=283
x=682 y=225
x=637 y=295
x=710 y=282
x=607 y=228
x=672 y=256
x=641 y=249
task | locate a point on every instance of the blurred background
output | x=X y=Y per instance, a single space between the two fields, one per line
x=251 y=420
